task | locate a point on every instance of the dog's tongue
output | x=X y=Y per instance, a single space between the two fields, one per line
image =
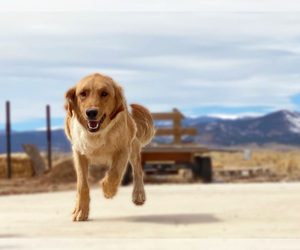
x=93 y=124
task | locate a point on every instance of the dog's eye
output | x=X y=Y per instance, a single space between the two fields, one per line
x=83 y=94
x=104 y=93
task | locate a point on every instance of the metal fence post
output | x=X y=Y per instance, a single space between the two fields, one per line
x=49 y=136
x=8 y=139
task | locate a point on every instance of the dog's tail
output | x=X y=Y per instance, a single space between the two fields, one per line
x=144 y=123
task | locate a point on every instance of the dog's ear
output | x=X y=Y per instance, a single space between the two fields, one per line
x=120 y=102
x=70 y=100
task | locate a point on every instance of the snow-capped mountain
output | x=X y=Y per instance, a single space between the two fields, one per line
x=282 y=127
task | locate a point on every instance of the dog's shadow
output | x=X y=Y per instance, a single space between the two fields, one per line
x=175 y=219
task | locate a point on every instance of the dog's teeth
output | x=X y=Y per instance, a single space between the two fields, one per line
x=96 y=124
x=93 y=127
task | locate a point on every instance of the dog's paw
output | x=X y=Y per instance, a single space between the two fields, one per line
x=138 y=196
x=109 y=189
x=81 y=212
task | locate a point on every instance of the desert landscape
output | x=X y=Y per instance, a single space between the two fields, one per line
x=221 y=82
x=281 y=166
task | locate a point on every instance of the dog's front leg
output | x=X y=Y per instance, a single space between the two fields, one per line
x=81 y=210
x=114 y=175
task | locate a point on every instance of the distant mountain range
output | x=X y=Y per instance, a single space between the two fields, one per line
x=282 y=127
x=59 y=140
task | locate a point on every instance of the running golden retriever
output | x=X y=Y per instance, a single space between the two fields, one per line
x=102 y=131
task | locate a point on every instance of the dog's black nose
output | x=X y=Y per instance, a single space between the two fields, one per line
x=91 y=113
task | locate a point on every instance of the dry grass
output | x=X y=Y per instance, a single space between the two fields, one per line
x=56 y=156
x=20 y=166
x=61 y=177
x=284 y=163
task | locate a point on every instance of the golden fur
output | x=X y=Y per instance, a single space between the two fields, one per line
x=118 y=141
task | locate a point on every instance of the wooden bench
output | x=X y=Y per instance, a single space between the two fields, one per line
x=156 y=158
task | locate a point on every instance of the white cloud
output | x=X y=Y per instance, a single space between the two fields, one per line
x=163 y=60
x=52 y=128
x=196 y=24
x=190 y=62
x=154 y=5
x=257 y=91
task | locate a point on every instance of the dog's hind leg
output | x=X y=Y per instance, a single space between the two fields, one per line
x=138 y=194
x=113 y=177
x=81 y=210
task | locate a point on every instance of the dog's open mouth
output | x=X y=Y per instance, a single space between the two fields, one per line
x=94 y=126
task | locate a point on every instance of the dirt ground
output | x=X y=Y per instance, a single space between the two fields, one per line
x=171 y=211
x=62 y=177
x=283 y=166
x=33 y=215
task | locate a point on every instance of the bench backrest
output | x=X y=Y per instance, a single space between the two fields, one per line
x=177 y=131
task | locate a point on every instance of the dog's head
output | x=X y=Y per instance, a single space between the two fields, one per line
x=95 y=101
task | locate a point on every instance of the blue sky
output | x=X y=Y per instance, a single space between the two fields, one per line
x=220 y=64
